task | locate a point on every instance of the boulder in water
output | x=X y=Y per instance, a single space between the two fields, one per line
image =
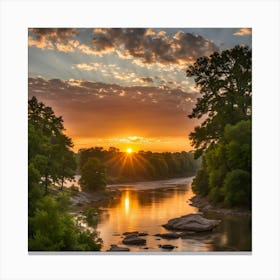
x=133 y=240
x=192 y=222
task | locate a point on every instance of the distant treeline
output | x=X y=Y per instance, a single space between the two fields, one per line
x=124 y=167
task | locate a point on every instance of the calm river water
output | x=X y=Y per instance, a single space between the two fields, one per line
x=144 y=207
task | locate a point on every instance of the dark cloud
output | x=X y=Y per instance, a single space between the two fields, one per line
x=143 y=44
x=152 y=46
x=61 y=39
x=147 y=79
x=62 y=34
x=102 y=110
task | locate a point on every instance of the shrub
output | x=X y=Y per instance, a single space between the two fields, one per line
x=237 y=188
x=93 y=175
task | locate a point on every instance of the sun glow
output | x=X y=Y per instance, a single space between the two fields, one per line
x=129 y=150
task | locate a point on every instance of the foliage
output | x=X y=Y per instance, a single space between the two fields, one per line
x=224 y=136
x=226 y=161
x=224 y=81
x=51 y=161
x=93 y=175
x=91 y=216
x=237 y=188
x=200 y=182
x=49 y=149
x=140 y=165
x=51 y=229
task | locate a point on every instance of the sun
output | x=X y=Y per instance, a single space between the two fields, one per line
x=129 y=150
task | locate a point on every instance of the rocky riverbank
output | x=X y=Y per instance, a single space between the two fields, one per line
x=81 y=198
x=203 y=204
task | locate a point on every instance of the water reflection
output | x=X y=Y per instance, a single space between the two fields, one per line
x=146 y=211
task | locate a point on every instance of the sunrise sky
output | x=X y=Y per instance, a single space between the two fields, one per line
x=125 y=88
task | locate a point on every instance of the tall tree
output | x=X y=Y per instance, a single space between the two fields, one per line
x=224 y=82
x=49 y=149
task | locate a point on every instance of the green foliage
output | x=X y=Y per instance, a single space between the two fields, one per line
x=51 y=161
x=217 y=168
x=91 y=216
x=224 y=164
x=224 y=81
x=49 y=149
x=237 y=188
x=224 y=136
x=238 y=149
x=51 y=229
x=200 y=182
x=141 y=165
x=93 y=175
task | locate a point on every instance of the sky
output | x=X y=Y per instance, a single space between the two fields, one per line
x=123 y=87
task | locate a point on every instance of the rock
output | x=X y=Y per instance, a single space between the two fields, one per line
x=131 y=235
x=168 y=235
x=116 y=248
x=116 y=234
x=167 y=246
x=142 y=234
x=134 y=240
x=134 y=234
x=192 y=222
x=187 y=234
x=130 y=232
x=157 y=238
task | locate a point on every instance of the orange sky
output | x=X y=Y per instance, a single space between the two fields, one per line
x=142 y=118
x=123 y=87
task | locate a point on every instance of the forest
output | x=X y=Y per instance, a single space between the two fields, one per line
x=142 y=165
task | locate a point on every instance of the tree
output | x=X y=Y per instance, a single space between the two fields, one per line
x=50 y=160
x=224 y=136
x=49 y=149
x=224 y=82
x=93 y=175
x=237 y=188
x=52 y=229
x=225 y=175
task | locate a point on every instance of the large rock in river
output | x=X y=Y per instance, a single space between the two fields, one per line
x=192 y=222
x=133 y=240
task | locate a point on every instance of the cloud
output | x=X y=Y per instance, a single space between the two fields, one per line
x=143 y=45
x=150 y=46
x=146 y=79
x=243 y=32
x=63 y=34
x=103 y=110
x=50 y=38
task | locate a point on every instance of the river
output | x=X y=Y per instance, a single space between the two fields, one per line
x=146 y=206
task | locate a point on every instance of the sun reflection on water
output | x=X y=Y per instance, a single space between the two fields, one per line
x=127 y=203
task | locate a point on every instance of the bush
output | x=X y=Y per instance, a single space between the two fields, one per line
x=93 y=175
x=51 y=229
x=200 y=182
x=237 y=188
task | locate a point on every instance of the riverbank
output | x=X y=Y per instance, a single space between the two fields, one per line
x=81 y=198
x=203 y=204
